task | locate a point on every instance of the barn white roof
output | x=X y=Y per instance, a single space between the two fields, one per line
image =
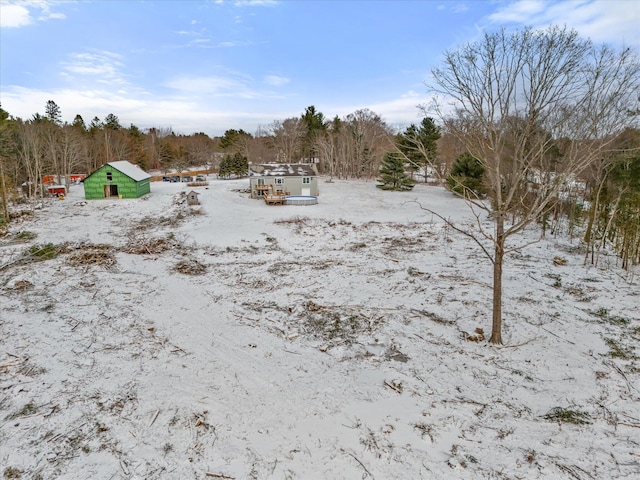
x=130 y=170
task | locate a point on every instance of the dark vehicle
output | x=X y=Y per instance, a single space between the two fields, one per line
x=175 y=179
x=166 y=179
x=187 y=178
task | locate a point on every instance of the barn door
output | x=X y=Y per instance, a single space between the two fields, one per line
x=110 y=190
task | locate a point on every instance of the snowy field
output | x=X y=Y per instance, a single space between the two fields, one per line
x=335 y=341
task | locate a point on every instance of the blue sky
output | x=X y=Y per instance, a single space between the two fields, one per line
x=208 y=66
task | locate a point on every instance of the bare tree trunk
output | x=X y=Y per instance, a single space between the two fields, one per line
x=595 y=204
x=496 y=324
x=5 y=207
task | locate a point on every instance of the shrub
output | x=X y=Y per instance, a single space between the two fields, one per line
x=46 y=251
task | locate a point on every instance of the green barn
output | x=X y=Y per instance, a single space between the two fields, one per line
x=120 y=179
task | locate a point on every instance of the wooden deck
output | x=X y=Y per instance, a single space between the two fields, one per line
x=274 y=198
x=270 y=196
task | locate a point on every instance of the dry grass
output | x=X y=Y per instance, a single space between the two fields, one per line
x=567 y=415
x=100 y=255
x=190 y=267
x=141 y=245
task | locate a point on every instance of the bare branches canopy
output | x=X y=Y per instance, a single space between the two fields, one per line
x=535 y=108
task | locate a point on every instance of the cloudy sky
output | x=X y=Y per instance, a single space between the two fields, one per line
x=208 y=66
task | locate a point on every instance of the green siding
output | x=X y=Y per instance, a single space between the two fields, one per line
x=94 y=184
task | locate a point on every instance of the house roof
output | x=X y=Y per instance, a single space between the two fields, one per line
x=283 y=170
x=130 y=170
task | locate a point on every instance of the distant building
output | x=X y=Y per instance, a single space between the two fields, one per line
x=56 y=190
x=283 y=178
x=72 y=178
x=120 y=179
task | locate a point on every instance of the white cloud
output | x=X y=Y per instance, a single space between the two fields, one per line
x=454 y=7
x=229 y=44
x=275 y=80
x=459 y=8
x=183 y=114
x=190 y=109
x=256 y=3
x=233 y=85
x=103 y=66
x=398 y=112
x=615 y=21
x=16 y=14
x=194 y=85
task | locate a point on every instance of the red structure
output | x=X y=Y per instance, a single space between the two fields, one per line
x=57 y=190
x=77 y=177
x=73 y=178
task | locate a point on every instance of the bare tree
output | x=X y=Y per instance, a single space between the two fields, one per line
x=366 y=139
x=536 y=108
x=287 y=138
x=328 y=147
x=70 y=151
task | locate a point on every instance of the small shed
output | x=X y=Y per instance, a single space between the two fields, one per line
x=120 y=179
x=192 y=198
x=56 y=190
x=287 y=179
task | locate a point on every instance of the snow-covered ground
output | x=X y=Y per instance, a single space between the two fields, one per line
x=237 y=340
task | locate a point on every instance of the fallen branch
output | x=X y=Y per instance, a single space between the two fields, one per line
x=619 y=370
x=217 y=475
x=629 y=424
x=154 y=418
x=564 y=339
x=517 y=345
x=358 y=460
x=393 y=387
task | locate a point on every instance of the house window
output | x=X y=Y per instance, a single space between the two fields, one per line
x=279 y=181
x=306 y=180
x=109 y=176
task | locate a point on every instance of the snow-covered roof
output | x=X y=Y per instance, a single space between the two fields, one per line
x=130 y=170
x=283 y=170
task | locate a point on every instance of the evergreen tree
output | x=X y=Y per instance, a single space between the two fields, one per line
x=235 y=140
x=6 y=151
x=419 y=145
x=78 y=122
x=393 y=175
x=314 y=125
x=136 y=151
x=112 y=122
x=465 y=177
x=236 y=164
x=53 y=113
x=96 y=125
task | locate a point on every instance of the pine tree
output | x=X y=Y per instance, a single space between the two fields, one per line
x=393 y=175
x=465 y=177
x=53 y=112
x=236 y=164
x=419 y=145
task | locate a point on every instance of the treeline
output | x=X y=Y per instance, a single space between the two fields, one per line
x=606 y=212
x=349 y=147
